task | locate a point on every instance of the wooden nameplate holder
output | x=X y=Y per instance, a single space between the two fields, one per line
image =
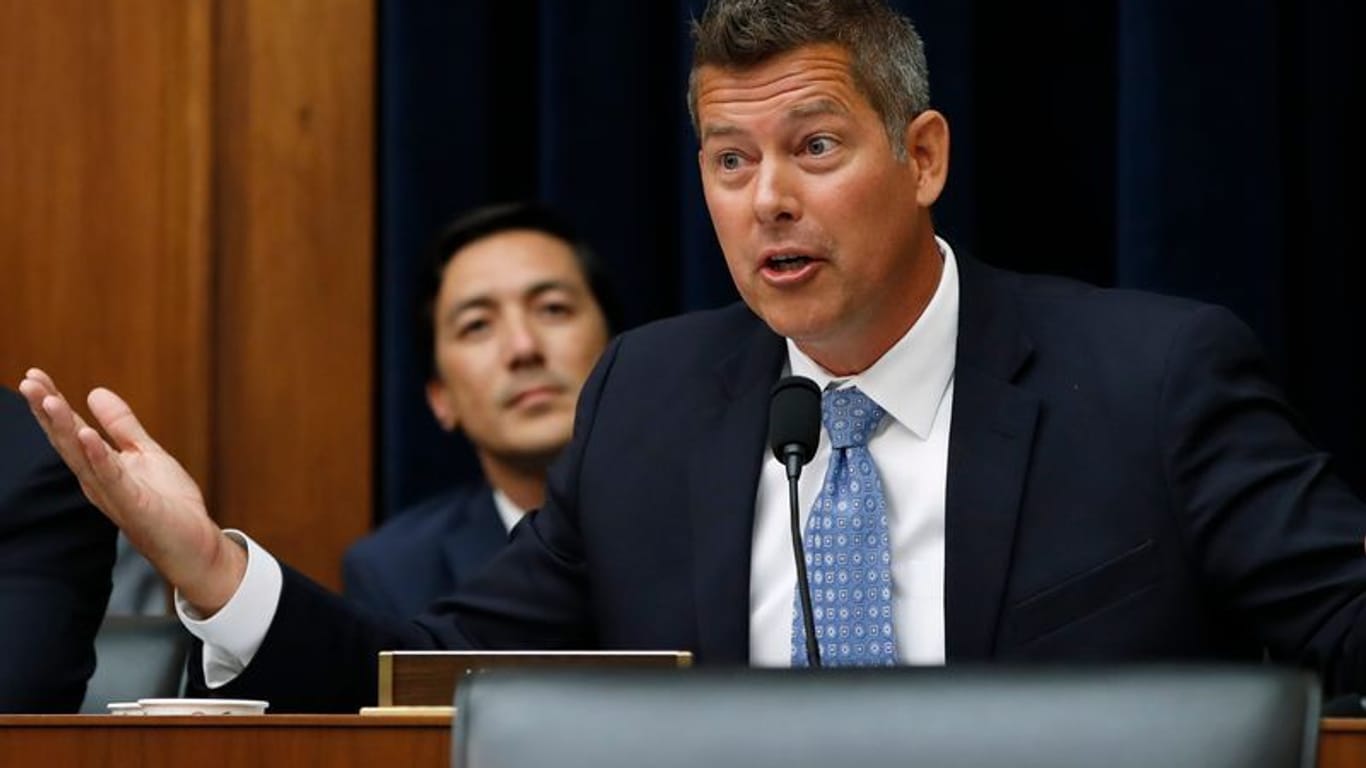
x=429 y=678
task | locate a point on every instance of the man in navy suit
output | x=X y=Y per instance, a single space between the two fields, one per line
x=515 y=312
x=1067 y=473
x=56 y=552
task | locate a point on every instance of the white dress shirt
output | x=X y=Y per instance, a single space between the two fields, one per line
x=913 y=382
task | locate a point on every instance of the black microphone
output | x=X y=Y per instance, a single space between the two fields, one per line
x=794 y=430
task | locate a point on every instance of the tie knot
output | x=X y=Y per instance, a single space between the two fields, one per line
x=850 y=417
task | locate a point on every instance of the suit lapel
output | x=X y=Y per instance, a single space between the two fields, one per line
x=476 y=534
x=989 y=446
x=723 y=475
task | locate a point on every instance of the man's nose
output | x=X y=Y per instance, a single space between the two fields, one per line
x=775 y=198
x=522 y=341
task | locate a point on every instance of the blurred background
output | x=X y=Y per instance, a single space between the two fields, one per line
x=220 y=207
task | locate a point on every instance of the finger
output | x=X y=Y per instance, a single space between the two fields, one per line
x=34 y=389
x=45 y=381
x=118 y=420
x=56 y=404
x=34 y=392
x=41 y=376
x=62 y=426
x=116 y=487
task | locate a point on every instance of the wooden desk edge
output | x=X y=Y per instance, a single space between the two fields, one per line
x=229 y=721
x=1327 y=725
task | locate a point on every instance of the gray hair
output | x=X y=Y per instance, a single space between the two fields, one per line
x=887 y=56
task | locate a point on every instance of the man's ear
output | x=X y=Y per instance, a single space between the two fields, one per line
x=927 y=146
x=441 y=406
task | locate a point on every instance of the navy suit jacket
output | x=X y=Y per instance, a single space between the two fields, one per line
x=1124 y=483
x=56 y=552
x=425 y=552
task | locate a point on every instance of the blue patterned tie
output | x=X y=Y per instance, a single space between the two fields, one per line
x=848 y=554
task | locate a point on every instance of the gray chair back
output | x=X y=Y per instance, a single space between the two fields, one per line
x=1255 y=717
x=137 y=657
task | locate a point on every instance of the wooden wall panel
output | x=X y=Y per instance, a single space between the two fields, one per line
x=295 y=154
x=186 y=216
x=104 y=205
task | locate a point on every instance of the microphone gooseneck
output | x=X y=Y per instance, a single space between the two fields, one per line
x=794 y=431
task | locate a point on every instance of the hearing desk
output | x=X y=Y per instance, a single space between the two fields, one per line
x=303 y=741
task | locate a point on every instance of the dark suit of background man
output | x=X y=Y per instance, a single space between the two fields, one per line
x=56 y=552
x=1071 y=473
x=515 y=312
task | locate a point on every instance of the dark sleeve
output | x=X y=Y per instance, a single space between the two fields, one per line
x=1278 y=537
x=56 y=552
x=319 y=655
x=534 y=594
x=321 y=652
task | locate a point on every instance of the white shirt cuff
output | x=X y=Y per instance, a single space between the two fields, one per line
x=234 y=634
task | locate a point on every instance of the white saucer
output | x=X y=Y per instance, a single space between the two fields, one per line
x=124 y=708
x=202 y=706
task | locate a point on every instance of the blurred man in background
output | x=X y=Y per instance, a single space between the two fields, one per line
x=515 y=313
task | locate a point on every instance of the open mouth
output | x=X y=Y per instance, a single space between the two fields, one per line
x=787 y=262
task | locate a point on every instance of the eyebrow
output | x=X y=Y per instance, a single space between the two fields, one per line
x=799 y=112
x=713 y=130
x=484 y=300
x=817 y=107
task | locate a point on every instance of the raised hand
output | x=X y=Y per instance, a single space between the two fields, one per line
x=143 y=489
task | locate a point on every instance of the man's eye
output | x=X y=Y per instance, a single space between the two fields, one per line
x=557 y=310
x=471 y=328
x=729 y=161
x=819 y=145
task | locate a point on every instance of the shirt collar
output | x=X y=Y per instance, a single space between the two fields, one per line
x=910 y=379
x=508 y=512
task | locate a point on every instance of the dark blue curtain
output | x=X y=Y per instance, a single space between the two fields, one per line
x=1197 y=149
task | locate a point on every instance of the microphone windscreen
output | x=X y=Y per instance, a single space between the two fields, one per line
x=794 y=417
